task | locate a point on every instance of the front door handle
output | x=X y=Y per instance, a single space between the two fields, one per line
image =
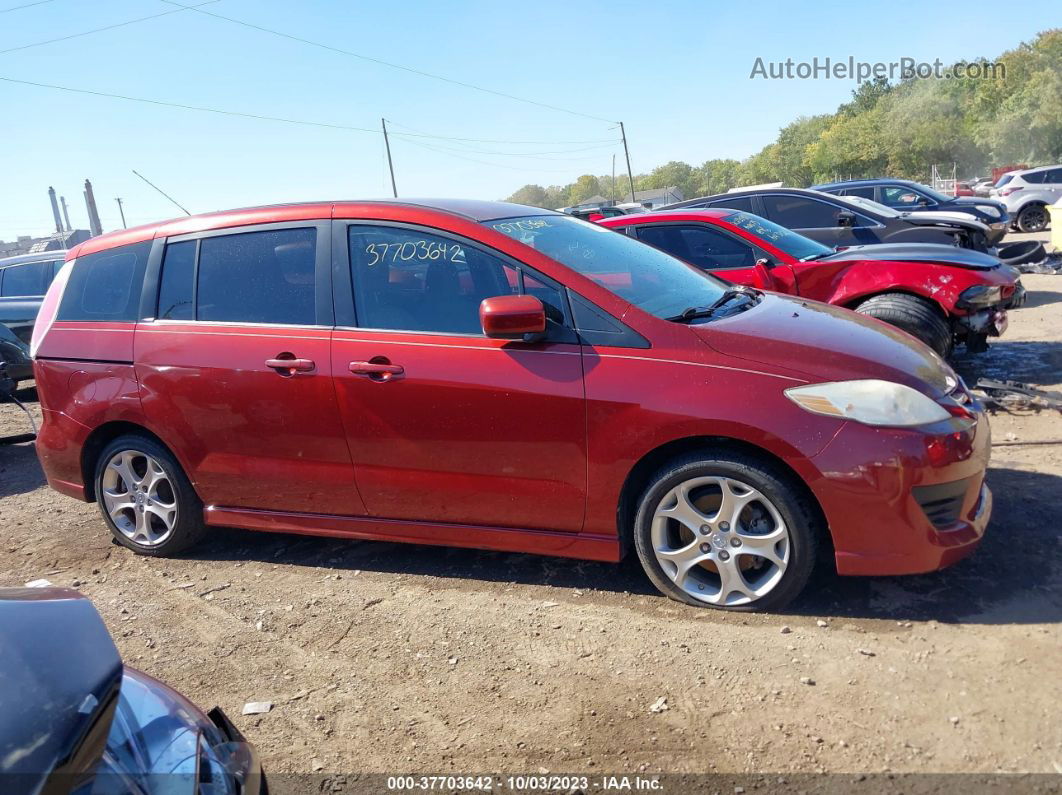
x=287 y=364
x=377 y=370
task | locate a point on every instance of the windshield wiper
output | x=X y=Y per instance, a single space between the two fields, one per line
x=693 y=312
x=820 y=255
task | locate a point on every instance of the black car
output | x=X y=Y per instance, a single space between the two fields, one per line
x=75 y=720
x=23 y=282
x=903 y=194
x=848 y=220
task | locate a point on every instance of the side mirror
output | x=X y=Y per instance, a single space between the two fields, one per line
x=845 y=218
x=513 y=317
x=761 y=275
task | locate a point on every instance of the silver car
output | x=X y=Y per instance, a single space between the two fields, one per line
x=1027 y=195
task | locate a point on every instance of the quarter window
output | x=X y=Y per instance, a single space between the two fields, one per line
x=106 y=286
x=176 y=293
x=797 y=212
x=258 y=277
x=409 y=280
x=742 y=203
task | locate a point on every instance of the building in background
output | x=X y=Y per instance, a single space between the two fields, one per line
x=649 y=199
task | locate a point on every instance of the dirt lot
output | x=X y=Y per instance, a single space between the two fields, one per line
x=390 y=658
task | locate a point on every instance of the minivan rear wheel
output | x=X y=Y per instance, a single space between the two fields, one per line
x=145 y=498
x=917 y=316
x=726 y=531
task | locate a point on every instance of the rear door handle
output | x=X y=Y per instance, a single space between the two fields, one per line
x=290 y=366
x=377 y=371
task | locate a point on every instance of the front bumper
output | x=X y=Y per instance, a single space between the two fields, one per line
x=877 y=490
x=998 y=230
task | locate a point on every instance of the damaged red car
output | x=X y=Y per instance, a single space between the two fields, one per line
x=943 y=295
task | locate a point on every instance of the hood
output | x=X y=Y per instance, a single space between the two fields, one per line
x=936 y=253
x=978 y=201
x=826 y=343
x=57 y=656
x=938 y=218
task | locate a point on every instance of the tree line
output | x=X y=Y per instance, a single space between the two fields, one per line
x=887 y=129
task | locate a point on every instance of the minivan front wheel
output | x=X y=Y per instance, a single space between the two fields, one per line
x=146 y=499
x=726 y=532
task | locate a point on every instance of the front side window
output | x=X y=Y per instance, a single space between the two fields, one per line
x=412 y=280
x=646 y=277
x=699 y=245
x=799 y=212
x=28 y=279
x=901 y=197
x=106 y=286
x=257 y=277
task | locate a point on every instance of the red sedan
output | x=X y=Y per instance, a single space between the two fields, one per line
x=939 y=294
x=489 y=375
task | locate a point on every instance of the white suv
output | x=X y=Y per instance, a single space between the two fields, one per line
x=1028 y=193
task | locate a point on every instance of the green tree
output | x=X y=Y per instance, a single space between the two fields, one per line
x=534 y=195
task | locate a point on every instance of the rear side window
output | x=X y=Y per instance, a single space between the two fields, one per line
x=865 y=192
x=105 y=286
x=31 y=278
x=257 y=277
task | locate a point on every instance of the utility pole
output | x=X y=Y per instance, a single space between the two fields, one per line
x=390 y=165
x=120 y=210
x=94 y=217
x=66 y=213
x=630 y=177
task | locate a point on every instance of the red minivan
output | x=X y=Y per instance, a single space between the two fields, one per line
x=495 y=376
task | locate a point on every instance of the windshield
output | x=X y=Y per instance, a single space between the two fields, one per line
x=793 y=244
x=653 y=281
x=867 y=204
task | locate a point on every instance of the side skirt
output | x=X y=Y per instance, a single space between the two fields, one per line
x=537 y=542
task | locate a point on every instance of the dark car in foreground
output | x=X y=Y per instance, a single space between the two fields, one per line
x=495 y=376
x=847 y=220
x=23 y=282
x=905 y=194
x=939 y=294
x=74 y=719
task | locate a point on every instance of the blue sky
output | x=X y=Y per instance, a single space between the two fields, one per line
x=677 y=74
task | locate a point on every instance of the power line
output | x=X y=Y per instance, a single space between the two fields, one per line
x=24 y=5
x=400 y=67
x=100 y=30
x=257 y=116
x=533 y=155
x=524 y=169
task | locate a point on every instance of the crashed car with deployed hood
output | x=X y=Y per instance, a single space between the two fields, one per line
x=939 y=294
x=75 y=720
x=848 y=220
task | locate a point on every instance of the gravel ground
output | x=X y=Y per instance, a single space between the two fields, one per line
x=391 y=658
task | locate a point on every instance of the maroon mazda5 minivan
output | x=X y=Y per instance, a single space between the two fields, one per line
x=495 y=376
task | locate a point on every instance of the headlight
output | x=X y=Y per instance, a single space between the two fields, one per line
x=870 y=401
x=980 y=295
x=990 y=211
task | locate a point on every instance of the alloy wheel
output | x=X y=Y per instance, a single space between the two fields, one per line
x=720 y=540
x=139 y=498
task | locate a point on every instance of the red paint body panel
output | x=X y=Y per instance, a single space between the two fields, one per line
x=494 y=444
x=843 y=283
x=476 y=431
x=249 y=436
x=583 y=546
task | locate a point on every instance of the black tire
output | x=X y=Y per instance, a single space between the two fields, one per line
x=188 y=528
x=917 y=316
x=790 y=499
x=1032 y=218
x=1022 y=252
